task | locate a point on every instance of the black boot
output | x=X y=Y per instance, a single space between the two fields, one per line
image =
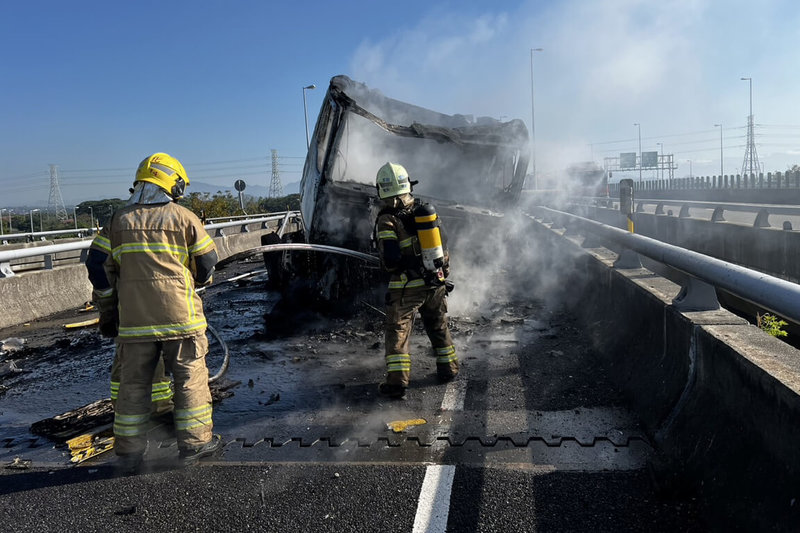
x=130 y=464
x=391 y=390
x=191 y=456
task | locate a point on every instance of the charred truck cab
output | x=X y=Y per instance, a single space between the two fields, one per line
x=458 y=161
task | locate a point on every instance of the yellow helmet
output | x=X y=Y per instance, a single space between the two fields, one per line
x=392 y=180
x=165 y=171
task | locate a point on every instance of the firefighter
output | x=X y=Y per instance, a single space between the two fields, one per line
x=159 y=252
x=418 y=266
x=104 y=300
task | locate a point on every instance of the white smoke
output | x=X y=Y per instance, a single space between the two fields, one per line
x=673 y=67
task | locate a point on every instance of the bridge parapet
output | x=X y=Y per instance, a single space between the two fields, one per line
x=719 y=397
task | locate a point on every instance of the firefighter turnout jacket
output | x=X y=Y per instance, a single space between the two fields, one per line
x=158 y=253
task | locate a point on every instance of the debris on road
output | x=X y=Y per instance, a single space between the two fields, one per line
x=90 y=445
x=9 y=368
x=399 y=426
x=11 y=344
x=83 y=323
x=19 y=464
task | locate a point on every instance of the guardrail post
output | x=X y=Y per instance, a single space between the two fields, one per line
x=718 y=215
x=684 y=212
x=84 y=255
x=244 y=229
x=48 y=261
x=696 y=295
x=571 y=230
x=283 y=224
x=5 y=270
x=762 y=219
x=219 y=233
x=628 y=259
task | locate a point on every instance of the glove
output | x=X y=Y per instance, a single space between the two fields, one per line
x=109 y=323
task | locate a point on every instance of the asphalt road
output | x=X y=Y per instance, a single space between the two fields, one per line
x=532 y=436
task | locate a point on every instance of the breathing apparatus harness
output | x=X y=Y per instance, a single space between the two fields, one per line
x=428 y=263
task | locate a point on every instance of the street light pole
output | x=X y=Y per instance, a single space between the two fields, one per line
x=75 y=215
x=720 y=150
x=31 y=215
x=639 y=127
x=1 y=221
x=690 y=168
x=533 y=126
x=305 y=110
x=91 y=219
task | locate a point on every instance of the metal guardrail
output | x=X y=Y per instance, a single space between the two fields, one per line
x=762 y=211
x=704 y=273
x=42 y=235
x=218 y=227
x=48 y=252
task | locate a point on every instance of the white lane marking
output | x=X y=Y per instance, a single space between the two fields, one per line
x=454 y=395
x=433 y=507
x=434 y=499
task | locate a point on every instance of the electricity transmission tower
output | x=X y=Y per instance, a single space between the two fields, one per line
x=275 y=186
x=750 y=165
x=55 y=204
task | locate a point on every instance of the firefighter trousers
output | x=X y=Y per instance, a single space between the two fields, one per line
x=185 y=360
x=161 y=390
x=401 y=307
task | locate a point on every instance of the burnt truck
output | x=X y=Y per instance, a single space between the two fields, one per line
x=460 y=163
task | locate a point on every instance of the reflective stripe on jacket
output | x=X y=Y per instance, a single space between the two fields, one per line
x=152 y=268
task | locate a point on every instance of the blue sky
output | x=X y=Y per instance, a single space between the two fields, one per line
x=94 y=87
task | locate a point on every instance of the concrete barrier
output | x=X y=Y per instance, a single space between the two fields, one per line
x=31 y=295
x=719 y=398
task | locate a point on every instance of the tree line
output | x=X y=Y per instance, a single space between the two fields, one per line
x=97 y=213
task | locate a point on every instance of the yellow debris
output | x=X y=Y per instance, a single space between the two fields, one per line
x=398 y=426
x=83 y=324
x=86 y=446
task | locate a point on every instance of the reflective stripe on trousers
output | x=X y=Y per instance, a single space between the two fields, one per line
x=161 y=391
x=399 y=362
x=196 y=417
x=446 y=355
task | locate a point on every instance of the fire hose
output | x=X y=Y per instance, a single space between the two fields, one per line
x=303 y=247
x=226 y=356
x=278 y=248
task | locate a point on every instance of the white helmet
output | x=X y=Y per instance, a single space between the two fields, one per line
x=392 y=180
